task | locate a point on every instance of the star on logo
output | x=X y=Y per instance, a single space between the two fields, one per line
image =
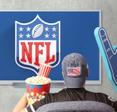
x=20 y=35
x=21 y=29
x=54 y=28
x=28 y=28
x=46 y=35
x=46 y=29
x=54 y=35
x=28 y=35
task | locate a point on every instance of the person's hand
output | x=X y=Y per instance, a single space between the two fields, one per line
x=32 y=98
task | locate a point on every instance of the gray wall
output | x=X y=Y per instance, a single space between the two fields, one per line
x=9 y=95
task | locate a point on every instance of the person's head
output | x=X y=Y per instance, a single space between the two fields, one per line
x=74 y=70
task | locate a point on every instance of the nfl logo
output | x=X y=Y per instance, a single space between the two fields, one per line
x=37 y=42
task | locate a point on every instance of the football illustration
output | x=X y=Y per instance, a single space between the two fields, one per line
x=37 y=30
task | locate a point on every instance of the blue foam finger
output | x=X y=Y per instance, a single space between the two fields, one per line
x=109 y=54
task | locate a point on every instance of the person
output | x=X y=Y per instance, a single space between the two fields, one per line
x=75 y=71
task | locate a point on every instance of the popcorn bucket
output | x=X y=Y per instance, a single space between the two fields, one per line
x=36 y=92
x=38 y=86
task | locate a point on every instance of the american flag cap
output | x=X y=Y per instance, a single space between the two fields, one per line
x=44 y=70
x=75 y=70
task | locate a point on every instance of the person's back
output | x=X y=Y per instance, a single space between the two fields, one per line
x=77 y=94
x=75 y=72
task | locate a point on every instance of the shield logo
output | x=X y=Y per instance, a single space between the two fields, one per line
x=37 y=42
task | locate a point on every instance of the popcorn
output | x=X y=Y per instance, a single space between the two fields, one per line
x=37 y=80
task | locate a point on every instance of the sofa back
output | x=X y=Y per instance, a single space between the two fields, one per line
x=76 y=106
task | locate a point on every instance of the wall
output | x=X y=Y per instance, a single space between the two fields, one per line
x=9 y=95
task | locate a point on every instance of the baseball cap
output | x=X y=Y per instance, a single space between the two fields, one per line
x=75 y=70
